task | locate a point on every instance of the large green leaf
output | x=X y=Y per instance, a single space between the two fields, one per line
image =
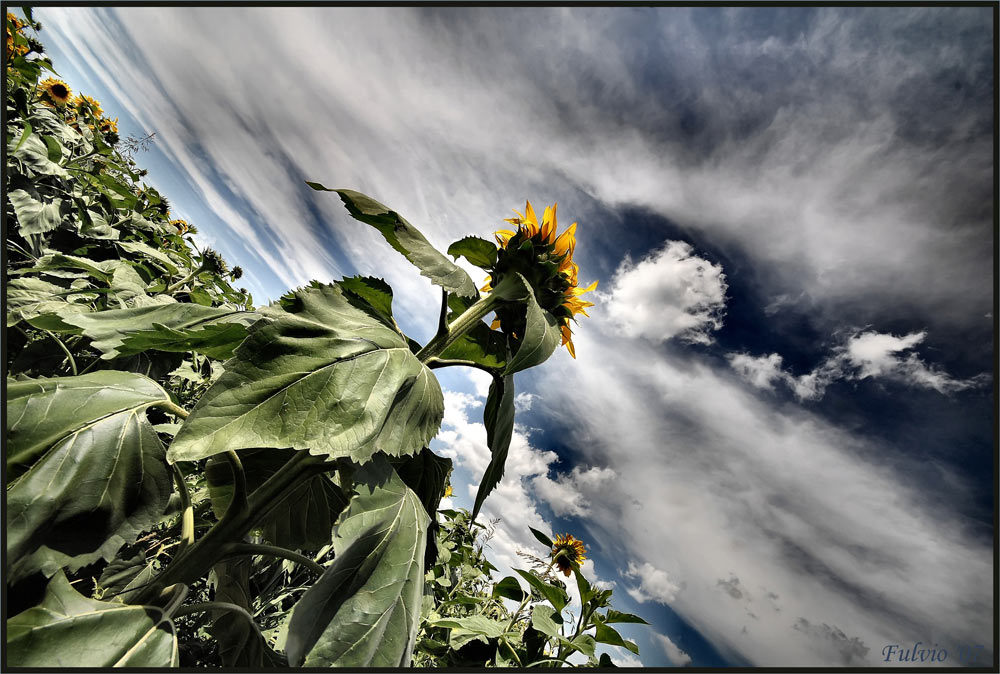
x=70 y=630
x=161 y=258
x=556 y=595
x=178 y=327
x=479 y=252
x=365 y=609
x=30 y=297
x=322 y=375
x=609 y=635
x=541 y=336
x=303 y=520
x=88 y=470
x=36 y=213
x=462 y=630
x=371 y=295
x=426 y=474
x=102 y=271
x=406 y=239
x=35 y=155
x=499 y=420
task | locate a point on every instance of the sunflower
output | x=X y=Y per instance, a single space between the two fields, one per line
x=181 y=225
x=573 y=553
x=448 y=491
x=87 y=103
x=54 y=92
x=546 y=261
x=109 y=125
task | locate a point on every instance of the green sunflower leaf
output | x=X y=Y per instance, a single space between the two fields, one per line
x=541 y=336
x=371 y=295
x=70 y=630
x=547 y=620
x=87 y=471
x=479 y=252
x=365 y=609
x=541 y=538
x=30 y=297
x=556 y=595
x=508 y=588
x=406 y=239
x=34 y=154
x=36 y=213
x=613 y=616
x=321 y=375
x=609 y=635
x=499 y=419
x=178 y=327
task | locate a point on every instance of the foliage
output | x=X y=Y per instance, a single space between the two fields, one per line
x=192 y=481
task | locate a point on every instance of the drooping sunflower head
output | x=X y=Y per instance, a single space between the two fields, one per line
x=86 y=103
x=53 y=91
x=545 y=259
x=568 y=553
x=181 y=225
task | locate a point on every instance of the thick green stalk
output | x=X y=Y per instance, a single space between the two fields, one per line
x=447 y=335
x=198 y=559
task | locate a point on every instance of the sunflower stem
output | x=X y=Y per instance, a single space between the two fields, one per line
x=448 y=334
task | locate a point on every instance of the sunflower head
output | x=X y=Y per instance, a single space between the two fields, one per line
x=211 y=261
x=86 y=103
x=181 y=225
x=448 y=491
x=55 y=92
x=545 y=259
x=568 y=553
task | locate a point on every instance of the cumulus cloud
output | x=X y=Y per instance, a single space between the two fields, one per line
x=865 y=355
x=670 y=293
x=654 y=585
x=569 y=493
x=675 y=656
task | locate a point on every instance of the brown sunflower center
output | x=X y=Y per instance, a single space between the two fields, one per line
x=60 y=91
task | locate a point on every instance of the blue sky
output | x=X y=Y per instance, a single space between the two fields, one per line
x=777 y=436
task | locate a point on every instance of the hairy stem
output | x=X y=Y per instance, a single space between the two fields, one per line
x=448 y=334
x=187 y=511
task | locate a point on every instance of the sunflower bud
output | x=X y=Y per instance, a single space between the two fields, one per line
x=236 y=273
x=211 y=261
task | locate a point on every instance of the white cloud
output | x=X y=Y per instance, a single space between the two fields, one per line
x=654 y=584
x=761 y=371
x=523 y=401
x=569 y=493
x=671 y=293
x=722 y=485
x=865 y=355
x=675 y=655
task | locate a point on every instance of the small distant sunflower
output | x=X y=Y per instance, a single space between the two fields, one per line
x=54 y=92
x=573 y=551
x=546 y=261
x=82 y=102
x=109 y=125
x=447 y=491
x=181 y=225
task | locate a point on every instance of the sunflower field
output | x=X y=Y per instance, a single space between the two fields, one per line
x=193 y=481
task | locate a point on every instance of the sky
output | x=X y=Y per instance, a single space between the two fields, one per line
x=776 y=439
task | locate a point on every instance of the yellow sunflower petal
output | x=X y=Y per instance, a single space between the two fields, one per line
x=530 y=222
x=566 y=241
x=495 y=325
x=503 y=236
x=549 y=224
